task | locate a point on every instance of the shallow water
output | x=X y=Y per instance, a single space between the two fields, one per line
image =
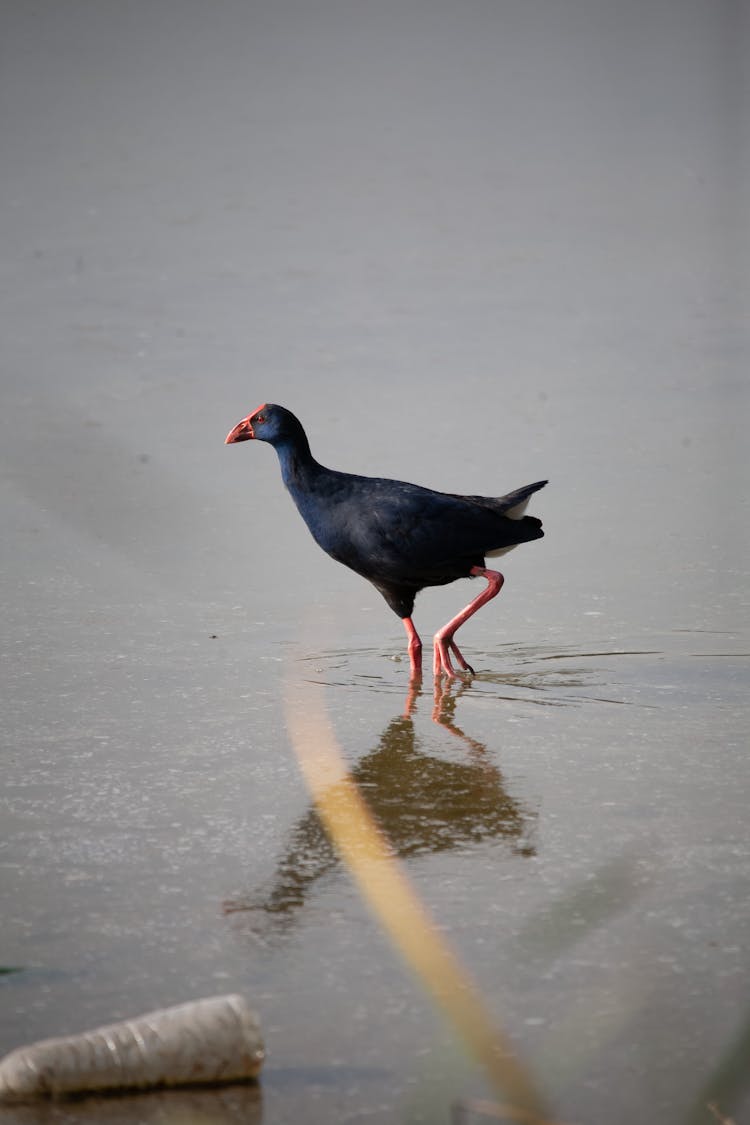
x=470 y=246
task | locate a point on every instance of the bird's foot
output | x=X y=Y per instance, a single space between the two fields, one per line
x=442 y=663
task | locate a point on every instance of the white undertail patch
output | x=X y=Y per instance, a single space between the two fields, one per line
x=517 y=512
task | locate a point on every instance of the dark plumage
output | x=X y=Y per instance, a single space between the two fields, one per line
x=399 y=536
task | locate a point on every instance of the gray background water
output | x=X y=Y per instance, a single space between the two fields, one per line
x=470 y=245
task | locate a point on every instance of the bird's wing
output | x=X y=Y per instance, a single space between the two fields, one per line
x=398 y=533
x=410 y=532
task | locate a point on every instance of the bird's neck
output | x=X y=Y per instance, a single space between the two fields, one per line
x=298 y=466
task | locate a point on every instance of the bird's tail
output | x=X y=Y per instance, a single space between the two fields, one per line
x=514 y=504
x=525 y=529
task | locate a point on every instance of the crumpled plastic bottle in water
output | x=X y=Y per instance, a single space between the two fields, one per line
x=213 y=1040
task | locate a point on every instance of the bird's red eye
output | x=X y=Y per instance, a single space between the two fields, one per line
x=259 y=418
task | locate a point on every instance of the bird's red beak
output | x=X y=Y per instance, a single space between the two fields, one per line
x=243 y=431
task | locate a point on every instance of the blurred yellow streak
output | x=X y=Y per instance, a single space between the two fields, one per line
x=384 y=885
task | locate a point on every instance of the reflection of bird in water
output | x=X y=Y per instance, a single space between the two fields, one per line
x=422 y=804
x=445 y=699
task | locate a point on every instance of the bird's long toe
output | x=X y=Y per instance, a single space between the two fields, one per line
x=466 y=667
x=442 y=664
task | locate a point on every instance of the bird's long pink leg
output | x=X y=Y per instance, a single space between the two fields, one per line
x=415 y=649
x=444 y=643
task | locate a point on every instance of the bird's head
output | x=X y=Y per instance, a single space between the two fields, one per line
x=268 y=423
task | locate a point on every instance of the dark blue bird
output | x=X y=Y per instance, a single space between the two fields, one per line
x=399 y=536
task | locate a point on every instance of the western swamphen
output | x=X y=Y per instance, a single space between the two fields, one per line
x=399 y=536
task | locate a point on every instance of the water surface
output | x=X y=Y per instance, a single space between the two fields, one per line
x=470 y=246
